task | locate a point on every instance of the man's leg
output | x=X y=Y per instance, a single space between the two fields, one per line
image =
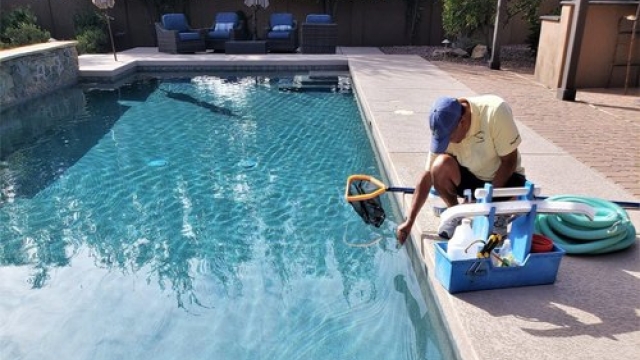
x=447 y=178
x=516 y=180
x=451 y=180
x=468 y=181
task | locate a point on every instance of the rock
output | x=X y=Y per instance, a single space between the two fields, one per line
x=442 y=52
x=459 y=52
x=455 y=52
x=479 y=52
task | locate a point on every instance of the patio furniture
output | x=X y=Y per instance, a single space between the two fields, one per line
x=176 y=36
x=282 y=34
x=318 y=35
x=227 y=26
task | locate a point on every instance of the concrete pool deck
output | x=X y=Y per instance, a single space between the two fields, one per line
x=593 y=309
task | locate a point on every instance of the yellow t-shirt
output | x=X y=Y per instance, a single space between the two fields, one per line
x=493 y=133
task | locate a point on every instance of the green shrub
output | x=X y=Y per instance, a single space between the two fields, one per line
x=465 y=18
x=88 y=20
x=15 y=17
x=91 y=41
x=91 y=33
x=472 y=18
x=26 y=34
x=19 y=27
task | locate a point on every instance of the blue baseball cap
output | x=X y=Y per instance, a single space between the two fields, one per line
x=443 y=119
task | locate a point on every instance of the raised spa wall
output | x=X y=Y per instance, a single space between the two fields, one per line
x=604 y=50
x=31 y=71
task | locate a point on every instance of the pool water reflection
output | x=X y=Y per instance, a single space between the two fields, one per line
x=198 y=218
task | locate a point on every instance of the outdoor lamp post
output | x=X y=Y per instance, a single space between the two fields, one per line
x=104 y=5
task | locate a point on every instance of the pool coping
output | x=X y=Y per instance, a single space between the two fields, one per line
x=27 y=50
x=394 y=93
x=94 y=67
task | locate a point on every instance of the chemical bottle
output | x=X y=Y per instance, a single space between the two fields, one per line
x=460 y=241
x=506 y=254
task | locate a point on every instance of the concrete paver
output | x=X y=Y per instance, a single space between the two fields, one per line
x=593 y=309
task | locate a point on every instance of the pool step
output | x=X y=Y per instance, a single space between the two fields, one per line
x=316 y=82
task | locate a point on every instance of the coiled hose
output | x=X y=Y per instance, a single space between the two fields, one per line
x=611 y=229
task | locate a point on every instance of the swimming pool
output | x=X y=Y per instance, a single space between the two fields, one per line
x=197 y=218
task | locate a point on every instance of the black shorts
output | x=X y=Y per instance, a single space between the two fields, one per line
x=469 y=181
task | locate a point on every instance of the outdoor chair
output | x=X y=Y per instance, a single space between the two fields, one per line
x=318 y=35
x=176 y=36
x=226 y=27
x=282 y=34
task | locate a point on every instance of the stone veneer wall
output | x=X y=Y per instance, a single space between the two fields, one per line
x=32 y=71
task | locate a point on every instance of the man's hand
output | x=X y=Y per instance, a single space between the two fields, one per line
x=402 y=232
x=508 y=164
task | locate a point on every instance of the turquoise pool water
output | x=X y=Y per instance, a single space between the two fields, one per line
x=199 y=218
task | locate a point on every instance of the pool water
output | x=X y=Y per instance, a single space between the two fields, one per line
x=200 y=218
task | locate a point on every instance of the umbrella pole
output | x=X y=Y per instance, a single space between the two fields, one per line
x=113 y=47
x=255 y=22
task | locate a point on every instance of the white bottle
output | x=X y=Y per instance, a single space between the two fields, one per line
x=506 y=254
x=459 y=247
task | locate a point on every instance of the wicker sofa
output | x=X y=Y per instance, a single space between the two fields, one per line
x=174 y=35
x=318 y=35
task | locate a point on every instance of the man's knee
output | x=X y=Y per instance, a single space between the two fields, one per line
x=445 y=172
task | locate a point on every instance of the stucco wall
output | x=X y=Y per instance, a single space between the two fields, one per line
x=551 y=50
x=600 y=47
x=32 y=71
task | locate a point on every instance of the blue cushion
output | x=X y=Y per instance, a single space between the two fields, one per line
x=219 y=34
x=278 y=34
x=319 y=19
x=188 y=36
x=227 y=17
x=176 y=22
x=282 y=28
x=281 y=19
x=224 y=26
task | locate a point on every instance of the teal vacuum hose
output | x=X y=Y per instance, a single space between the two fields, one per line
x=611 y=229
